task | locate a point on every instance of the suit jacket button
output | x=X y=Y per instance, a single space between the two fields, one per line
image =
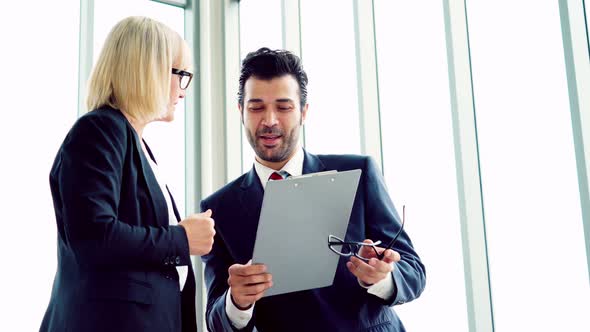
x=166 y=261
x=177 y=261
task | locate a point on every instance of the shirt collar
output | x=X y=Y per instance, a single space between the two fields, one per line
x=294 y=167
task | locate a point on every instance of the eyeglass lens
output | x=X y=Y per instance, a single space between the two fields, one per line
x=184 y=81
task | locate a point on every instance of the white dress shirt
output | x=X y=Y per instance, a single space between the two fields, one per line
x=240 y=318
x=183 y=269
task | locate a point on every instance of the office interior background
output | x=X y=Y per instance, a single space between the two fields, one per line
x=477 y=111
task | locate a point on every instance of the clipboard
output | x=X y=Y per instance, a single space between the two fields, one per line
x=297 y=216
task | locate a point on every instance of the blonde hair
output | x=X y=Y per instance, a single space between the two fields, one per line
x=133 y=71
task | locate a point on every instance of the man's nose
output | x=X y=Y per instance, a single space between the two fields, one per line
x=270 y=117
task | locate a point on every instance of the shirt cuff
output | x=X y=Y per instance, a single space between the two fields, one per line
x=238 y=318
x=383 y=289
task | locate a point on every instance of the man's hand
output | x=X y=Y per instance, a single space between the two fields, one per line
x=199 y=232
x=375 y=270
x=248 y=283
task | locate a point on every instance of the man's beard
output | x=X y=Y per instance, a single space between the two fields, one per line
x=280 y=153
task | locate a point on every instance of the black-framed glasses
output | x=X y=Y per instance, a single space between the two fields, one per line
x=185 y=77
x=348 y=249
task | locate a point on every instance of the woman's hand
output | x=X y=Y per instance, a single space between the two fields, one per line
x=199 y=232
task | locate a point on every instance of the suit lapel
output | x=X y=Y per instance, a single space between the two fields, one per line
x=312 y=164
x=159 y=188
x=153 y=187
x=250 y=196
x=174 y=207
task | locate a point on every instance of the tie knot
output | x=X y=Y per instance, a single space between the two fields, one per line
x=278 y=175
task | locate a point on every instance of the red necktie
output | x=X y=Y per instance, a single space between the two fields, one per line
x=275 y=176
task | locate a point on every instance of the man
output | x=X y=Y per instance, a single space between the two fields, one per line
x=273 y=107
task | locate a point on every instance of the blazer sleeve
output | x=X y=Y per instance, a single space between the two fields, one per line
x=89 y=180
x=382 y=222
x=217 y=263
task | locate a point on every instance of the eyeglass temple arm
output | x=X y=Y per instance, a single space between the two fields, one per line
x=382 y=254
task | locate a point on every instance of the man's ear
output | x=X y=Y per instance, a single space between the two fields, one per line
x=304 y=113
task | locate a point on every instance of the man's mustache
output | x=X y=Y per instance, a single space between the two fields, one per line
x=275 y=131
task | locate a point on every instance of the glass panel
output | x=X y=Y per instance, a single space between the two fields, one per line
x=529 y=182
x=329 y=58
x=260 y=26
x=39 y=66
x=166 y=140
x=418 y=154
x=587 y=16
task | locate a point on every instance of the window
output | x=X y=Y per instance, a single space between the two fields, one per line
x=40 y=100
x=418 y=154
x=332 y=124
x=260 y=26
x=587 y=16
x=536 y=250
x=166 y=140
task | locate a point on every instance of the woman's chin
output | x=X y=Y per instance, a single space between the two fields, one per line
x=168 y=117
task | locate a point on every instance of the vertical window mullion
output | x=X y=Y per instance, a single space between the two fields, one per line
x=86 y=50
x=368 y=90
x=479 y=302
x=574 y=25
x=193 y=148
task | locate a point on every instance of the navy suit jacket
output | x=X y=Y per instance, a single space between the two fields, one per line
x=116 y=251
x=344 y=306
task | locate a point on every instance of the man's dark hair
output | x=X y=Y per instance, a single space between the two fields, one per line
x=267 y=64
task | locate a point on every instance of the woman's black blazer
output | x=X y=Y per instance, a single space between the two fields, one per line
x=116 y=251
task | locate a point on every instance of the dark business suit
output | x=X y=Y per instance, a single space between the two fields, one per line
x=117 y=254
x=344 y=306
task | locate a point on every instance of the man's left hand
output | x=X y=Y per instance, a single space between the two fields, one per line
x=374 y=270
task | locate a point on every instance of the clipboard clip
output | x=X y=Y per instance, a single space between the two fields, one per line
x=311 y=175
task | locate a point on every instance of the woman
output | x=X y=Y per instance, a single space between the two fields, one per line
x=123 y=257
